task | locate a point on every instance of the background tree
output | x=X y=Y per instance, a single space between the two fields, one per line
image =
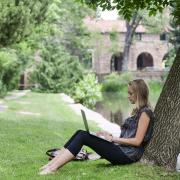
x=70 y=21
x=165 y=145
x=32 y=29
x=175 y=35
x=131 y=26
x=19 y=17
x=62 y=43
x=174 y=39
x=9 y=68
x=57 y=71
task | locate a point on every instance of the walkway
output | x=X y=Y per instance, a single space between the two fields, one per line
x=92 y=115
x=11 y=96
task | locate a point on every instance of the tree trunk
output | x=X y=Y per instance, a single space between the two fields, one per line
x=127 y=45
x=165 y=144
x=131 y=28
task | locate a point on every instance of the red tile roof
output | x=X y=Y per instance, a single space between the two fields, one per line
x=108 y=25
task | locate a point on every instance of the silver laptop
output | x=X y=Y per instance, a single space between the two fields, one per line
x=87 y=127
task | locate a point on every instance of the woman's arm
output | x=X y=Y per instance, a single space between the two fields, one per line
x=140 y=133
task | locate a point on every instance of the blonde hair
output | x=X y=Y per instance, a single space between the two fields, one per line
x=141 y=91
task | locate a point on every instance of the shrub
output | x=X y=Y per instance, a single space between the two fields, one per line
x=170 y=58
x=3 y=90
x=10 y=70
x=57 y=71
x=155 y=88
x=88 y=91
x=116 y=82
x=155 y=85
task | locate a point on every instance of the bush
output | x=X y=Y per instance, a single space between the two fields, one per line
x=116 y=82
x=88 y=91
x=10 y=70
x=155 y=88
x=155 y=85
x=3 y=90
x=57 y=70
x=170 y=58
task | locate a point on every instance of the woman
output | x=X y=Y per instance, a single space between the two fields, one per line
x=128 y=148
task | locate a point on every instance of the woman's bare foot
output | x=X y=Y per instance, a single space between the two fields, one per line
x=46 y=171
x=59 y=161
x=43 y=167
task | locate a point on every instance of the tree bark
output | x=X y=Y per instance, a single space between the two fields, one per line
x=131 y=28
x=165 y=144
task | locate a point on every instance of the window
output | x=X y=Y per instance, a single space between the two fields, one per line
x=163 y=37
x=138 y=36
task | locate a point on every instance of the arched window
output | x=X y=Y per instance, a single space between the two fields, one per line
x=144 y=60
x=116 y=62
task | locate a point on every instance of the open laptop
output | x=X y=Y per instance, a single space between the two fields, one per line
x=87 y=127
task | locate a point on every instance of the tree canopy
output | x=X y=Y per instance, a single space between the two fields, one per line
x=127 y=8
x=19 y=17
x=62 y=43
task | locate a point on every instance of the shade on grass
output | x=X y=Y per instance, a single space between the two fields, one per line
x=24 y=139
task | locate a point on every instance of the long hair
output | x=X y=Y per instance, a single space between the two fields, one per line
x=141 y=91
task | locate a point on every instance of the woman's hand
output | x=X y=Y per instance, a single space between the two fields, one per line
x=105 y=135
x=109 y=137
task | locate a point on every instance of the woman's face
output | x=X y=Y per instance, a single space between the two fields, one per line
x=131 y=95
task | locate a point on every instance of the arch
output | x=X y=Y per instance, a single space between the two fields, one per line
x=116 y=61
x=144 y=59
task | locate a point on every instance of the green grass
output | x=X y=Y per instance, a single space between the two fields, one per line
x=25 y=138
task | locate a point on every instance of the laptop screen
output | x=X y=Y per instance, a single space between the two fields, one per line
x=85 y=120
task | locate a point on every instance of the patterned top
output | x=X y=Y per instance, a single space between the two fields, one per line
x=128 y=130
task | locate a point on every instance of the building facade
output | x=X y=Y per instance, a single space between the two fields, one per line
x=147 y=51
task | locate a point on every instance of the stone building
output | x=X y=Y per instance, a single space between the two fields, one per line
x=147 y=50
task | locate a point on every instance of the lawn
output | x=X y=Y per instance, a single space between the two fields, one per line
x=26 y=137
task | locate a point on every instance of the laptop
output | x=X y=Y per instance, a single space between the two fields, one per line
x=87 y=127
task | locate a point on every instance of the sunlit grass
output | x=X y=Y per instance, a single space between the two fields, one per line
x=25 y=138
